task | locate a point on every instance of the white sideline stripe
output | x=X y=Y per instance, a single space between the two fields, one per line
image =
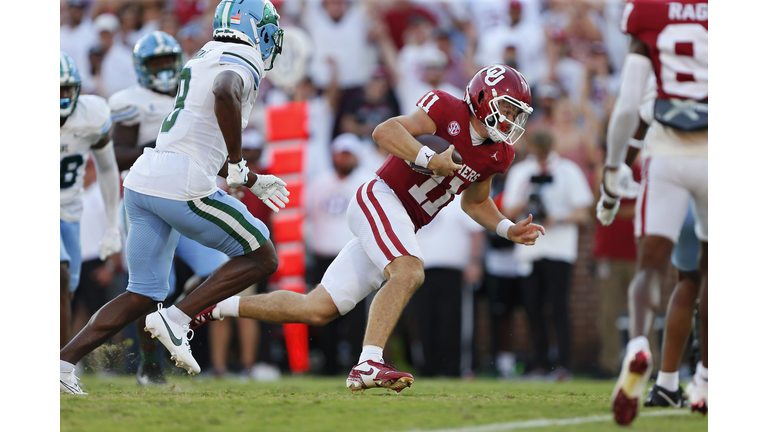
x=493 y=427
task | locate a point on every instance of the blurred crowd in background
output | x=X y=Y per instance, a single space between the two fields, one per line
x=487 y=307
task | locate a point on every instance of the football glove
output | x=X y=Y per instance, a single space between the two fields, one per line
x=237 y=174
x=619 y=182
x=271 y=190
x=606 y=215
x=111 y=243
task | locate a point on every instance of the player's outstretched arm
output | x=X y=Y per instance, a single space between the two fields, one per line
x=396 y=135
x=109 y=183
x=477 y=203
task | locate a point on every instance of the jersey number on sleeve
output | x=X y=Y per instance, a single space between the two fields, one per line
x=419 y=193
x=69 y=166
x=683 y=56
x=427 y=101
x=185 y=77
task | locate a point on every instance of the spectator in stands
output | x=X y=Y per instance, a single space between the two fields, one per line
x=151 y=15
x=419 y=41
x=77 y=34
x=117 y=71
x=95 y=59
x=191 y=38
x=614 y=254
x=169 y=23
x=327 y=199
x=434 y=65
x=544 y=96
x=130 y=24
x=574 y=140
x=460 y=68
x=339 y=31
x=600 y=90
x=562 y=68
x=400 y=15
x=368 y=108
x=451 y=263
x=525 y=39
x=555 y=191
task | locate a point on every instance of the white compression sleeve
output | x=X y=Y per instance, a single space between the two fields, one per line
x=626 y=117
x=109 y=181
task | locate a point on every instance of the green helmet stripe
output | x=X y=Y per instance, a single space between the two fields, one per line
x=63 y=66
x=226 y=12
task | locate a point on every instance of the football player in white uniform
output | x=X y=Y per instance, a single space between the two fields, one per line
x=84 y=129
x=138 y=113
x=670 y=40
x=171 y=190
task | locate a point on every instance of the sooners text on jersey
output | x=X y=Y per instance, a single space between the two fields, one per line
x=676 y=35
x=424 y=196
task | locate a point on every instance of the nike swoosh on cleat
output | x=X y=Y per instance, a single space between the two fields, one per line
x=368 y=372
x=176 y=341
x=69 y=387
x=670 y=401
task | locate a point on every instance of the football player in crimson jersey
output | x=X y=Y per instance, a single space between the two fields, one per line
x=389 y=209
x=670 y=40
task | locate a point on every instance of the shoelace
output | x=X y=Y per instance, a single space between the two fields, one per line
x=75 y=379
x=186 y=330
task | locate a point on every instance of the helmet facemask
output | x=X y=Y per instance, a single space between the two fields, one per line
x=68 y=99
x=506 y=121
x=162 y=72
x=277 y=48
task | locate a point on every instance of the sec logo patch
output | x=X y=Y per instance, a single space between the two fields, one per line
x=454 y=128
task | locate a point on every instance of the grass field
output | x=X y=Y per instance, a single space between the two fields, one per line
x=323 y=404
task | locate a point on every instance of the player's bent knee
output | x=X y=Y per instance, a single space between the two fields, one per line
x=408 y=269
x=320 y=308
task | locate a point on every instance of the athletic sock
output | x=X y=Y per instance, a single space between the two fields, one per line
x=177 y=316
x=637 y=344
x=227 y=308
x=669 y=380
x=65 y=367
x=702 y=375
x=505 y=363
x=373 y=353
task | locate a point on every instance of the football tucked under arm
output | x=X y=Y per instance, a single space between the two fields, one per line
x=438 y=145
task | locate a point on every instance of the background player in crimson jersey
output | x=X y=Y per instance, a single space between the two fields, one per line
x=389 y=210
x=670 y=39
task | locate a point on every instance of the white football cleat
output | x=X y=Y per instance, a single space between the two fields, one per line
x=68 y=383
x=635 y=373
x=697 y=396
x=174 y=337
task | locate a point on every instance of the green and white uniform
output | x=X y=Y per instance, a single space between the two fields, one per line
x=190 y=149
x=172 y=190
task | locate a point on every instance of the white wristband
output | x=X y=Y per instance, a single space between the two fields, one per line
x=503 y=227
x=425 y=154
x=636 y=143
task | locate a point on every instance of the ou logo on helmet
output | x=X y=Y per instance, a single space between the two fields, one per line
x=493 y=75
